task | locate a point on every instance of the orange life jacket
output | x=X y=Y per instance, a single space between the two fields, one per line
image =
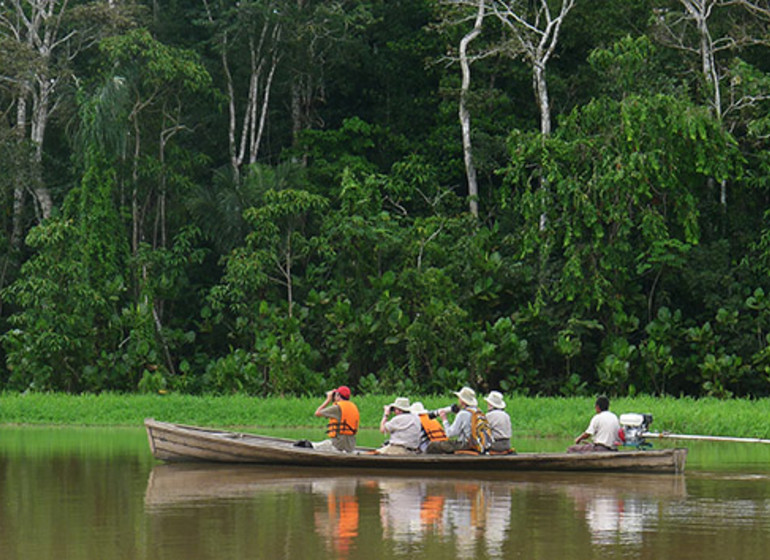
x=433 y=428
x=347 y=425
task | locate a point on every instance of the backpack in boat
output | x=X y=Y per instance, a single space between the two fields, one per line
x=481 y=432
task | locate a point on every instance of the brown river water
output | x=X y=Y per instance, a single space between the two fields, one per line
x=97 y=494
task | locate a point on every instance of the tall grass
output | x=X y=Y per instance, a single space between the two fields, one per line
x=532 y=416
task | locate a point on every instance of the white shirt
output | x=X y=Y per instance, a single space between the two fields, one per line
x=404 y=429
x=604 y=428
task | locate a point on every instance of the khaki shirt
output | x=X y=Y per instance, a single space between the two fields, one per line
x=341 y=442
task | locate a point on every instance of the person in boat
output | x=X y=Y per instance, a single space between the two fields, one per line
x=603 y=430
x=499 y=421
x=403 y=429
x=459 y=432
x=343 y=422
x=431 y=431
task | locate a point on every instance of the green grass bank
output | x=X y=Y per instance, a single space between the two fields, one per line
x=532 y=416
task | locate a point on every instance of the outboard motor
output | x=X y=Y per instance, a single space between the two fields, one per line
x=633 y=426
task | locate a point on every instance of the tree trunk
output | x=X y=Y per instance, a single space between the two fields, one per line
x=541 y=94
x=244 y=146
x=135 y=214
x=700 y=11
x=231 y=142
x=40 y=114
x=287 y=274
x=464 y=113
x=18 y=190
x=301 y=101
x=258 y=124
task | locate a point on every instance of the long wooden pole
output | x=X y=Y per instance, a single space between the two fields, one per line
x=704 y=438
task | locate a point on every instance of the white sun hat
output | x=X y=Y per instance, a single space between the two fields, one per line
x=401 y=403
x=495 y=399
x=467 y=395
x=418 y=408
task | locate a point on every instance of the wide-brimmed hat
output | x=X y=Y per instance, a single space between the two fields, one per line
x=495 y=399
x=401 y=403
x=467 y=395
x=418 y=408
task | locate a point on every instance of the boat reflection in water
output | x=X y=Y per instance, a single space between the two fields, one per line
x=407 y=512
x=337 y=523
x=413 y=510
x=620 y=512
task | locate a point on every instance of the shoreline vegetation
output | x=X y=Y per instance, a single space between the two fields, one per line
x=532 y=416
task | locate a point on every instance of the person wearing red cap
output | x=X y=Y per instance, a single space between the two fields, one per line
x=343 y=421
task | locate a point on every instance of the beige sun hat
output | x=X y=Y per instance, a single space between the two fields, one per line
x=467 y=395
x=401 y=403
x=495 y=399
x=418 y=408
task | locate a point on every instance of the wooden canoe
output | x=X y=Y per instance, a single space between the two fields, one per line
x=175 y=442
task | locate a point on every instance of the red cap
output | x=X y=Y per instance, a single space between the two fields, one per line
x=343 y=392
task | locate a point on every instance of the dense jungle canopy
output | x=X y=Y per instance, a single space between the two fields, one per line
x=278 y=196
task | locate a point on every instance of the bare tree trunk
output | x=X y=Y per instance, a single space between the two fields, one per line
x=258 y=124
x=244 y=146
x=543 y=102
x=164 y=343
x=464 y=113
x=699 y=11
x=40 y=115
x=18 y=190
x=159 y=237
x=289 y=284
x=535 y=28
x=231 y=143
x=37 y=24
x=135 y=213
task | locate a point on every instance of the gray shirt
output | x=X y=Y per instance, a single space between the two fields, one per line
x=500 y=423
x=460 y=428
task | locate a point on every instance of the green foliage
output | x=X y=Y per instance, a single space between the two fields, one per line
x=159 y=65
x=614 y=369
x=630 y=66
x=618 y=185
x=351 y=148
x=657 y=351
x=68 y=294
x=500 y=357
x=235 y=373
x=628 y=252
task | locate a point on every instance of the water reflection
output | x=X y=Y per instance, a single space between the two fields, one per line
x=466 y=513
x=473 y=517
x=337 y=522
x=613 y=518
x=98 y=495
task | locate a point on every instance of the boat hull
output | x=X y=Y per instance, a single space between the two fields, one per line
x=174 y=443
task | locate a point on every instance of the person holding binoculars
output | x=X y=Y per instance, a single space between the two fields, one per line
x=403 y=428
x=343 y=422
